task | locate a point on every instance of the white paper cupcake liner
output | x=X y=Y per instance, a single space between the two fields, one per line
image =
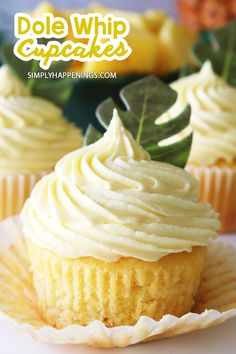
x=216 y=300
x=14 y=190
x=218 y=187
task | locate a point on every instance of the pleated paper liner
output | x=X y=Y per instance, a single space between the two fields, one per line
x=218 y=187
x=216 y=300
x=14 y=190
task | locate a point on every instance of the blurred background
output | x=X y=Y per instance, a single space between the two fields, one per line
x=13 y=6
x=163 y=34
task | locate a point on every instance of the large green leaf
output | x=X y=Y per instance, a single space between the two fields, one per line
x=89 y=93
x=219 y=46
x=145 y=100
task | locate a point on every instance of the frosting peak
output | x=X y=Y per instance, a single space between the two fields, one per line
x=213 y=116
x=109 y=200
x=122 y=142
x=207 y=69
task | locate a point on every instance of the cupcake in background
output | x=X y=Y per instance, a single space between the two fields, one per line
x=213 y=155
x=34 y=135
x=113 y=235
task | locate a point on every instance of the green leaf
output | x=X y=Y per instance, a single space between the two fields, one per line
x=21 y=68
x=145 y=101
x=56 y=90
x=91 y=135
x=176 y=154
x=219 y=46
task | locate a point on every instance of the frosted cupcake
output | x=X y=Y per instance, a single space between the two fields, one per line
x=33 y=136
x=213 y=155
x=113 y=235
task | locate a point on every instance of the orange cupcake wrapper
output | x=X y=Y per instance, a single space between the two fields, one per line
x=215 y=303
x=218 y=187
x=14 y=190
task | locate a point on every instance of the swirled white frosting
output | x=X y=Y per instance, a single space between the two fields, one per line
x=34 y=135
x=213 y=117
x=110 y=200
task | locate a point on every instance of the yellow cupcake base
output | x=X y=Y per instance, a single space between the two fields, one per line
x=14 y=190
x=218 y=187
x=82 y=290
x=215 y=301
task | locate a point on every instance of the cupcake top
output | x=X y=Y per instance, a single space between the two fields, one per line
x=110 y=200
x=213 y=115
x=34 y=135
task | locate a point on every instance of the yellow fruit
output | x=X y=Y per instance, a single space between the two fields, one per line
x=154 y=20
x=158 y=43
x=141 y=40
x=142 y=59
x=173 y=45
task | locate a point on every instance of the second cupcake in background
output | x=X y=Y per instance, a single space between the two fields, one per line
x=213 y=155
x=34 y=135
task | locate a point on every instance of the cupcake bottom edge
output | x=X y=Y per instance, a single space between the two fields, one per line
x=79 y=291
